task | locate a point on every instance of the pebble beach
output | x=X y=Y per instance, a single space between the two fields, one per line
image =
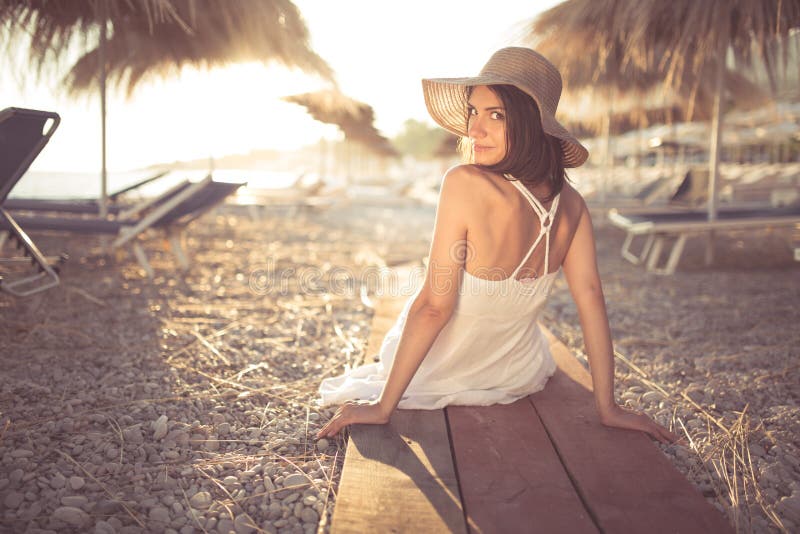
x=186 y=403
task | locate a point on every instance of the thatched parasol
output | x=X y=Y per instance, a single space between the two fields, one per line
x=684 y=41
x=125 y=41
x=355 y=119
x=695 y=37
x=589 y=41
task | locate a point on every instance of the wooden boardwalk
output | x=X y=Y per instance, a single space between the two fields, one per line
x=541 y=464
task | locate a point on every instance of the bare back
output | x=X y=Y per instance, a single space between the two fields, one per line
x=503 y=227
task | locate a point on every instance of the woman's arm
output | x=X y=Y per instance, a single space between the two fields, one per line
x=431 y=309
x=580 y=270
x=583 y=279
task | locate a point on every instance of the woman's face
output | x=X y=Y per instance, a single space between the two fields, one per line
x=486 y=126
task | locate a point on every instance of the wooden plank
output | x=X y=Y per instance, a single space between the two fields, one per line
x=510 y=476
x=399 y=477
x=625 y=481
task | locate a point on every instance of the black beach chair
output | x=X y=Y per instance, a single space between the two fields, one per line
x=171 y=213
x=23 y=135
x=88 y=206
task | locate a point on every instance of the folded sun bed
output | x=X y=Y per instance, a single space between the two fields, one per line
x=656 y=227
x=171 y=212
x=23 y=135
x=83 y=205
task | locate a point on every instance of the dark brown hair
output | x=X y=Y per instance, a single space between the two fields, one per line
x=532 y=156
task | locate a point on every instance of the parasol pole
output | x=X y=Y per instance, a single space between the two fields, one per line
x=715 y=146
x=608 y=158
x=102 y=58
x=322 y=157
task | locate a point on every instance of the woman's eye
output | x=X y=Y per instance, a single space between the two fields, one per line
x=497 y=115
x=473 y=111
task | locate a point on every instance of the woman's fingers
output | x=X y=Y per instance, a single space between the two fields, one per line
x=330 y=430
x=666 y=434
x=662 y=434
x=638 y=420
x=352 y=412
x=339 y=420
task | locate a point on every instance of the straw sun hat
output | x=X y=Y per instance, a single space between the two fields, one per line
x=523 y=68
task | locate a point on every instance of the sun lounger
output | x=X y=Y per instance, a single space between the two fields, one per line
x=83 y=205
x=23 y=135
x=293 y=198
x=171 y=213
x=91 y=207
x=657 y=227
x=46 y=275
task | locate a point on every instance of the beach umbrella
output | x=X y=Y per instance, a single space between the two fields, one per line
x=592 y=44
x=125 y=41
x=696 y=37
x=330 y=106
x=586 y=42
x=685 y=41
x=589 y=42
x=355 y=119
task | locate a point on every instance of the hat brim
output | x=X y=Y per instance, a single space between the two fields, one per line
x=446 y=100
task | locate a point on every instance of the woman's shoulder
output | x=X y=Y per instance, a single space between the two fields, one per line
x=465 y=172
x=571 y=202
x=473 y=182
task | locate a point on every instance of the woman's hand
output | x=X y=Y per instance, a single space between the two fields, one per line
x=620 y=417
x=369 y=412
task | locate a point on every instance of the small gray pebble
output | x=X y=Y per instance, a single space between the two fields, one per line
x=308 y=515
x=13 y=499
x=225 y=525
x=71 y=515
x=103 y=527
x=243 y=524
x=295 y=479
x=160 y=427
x=275 y=510
x=201 y=500
x=159 y=514
x=77 y=501
x=58 y=481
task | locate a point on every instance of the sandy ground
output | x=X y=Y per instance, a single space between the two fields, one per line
x=186 y=403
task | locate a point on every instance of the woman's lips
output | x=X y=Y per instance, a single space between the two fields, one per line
x=481 y=148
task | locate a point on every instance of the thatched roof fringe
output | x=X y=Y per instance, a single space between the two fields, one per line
x=639 y=47
x=355 y=119
x=160 y=36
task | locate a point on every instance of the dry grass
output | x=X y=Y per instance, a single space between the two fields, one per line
x=723 y=450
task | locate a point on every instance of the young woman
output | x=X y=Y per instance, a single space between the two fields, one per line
x=505 y=225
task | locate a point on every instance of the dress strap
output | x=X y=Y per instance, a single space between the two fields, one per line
x=545 y=223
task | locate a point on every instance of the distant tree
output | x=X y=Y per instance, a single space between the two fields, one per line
x=420 y=140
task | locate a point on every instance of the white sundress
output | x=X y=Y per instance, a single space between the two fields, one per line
x=490 y=351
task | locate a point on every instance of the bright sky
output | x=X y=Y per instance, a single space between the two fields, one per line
x=379 y=51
